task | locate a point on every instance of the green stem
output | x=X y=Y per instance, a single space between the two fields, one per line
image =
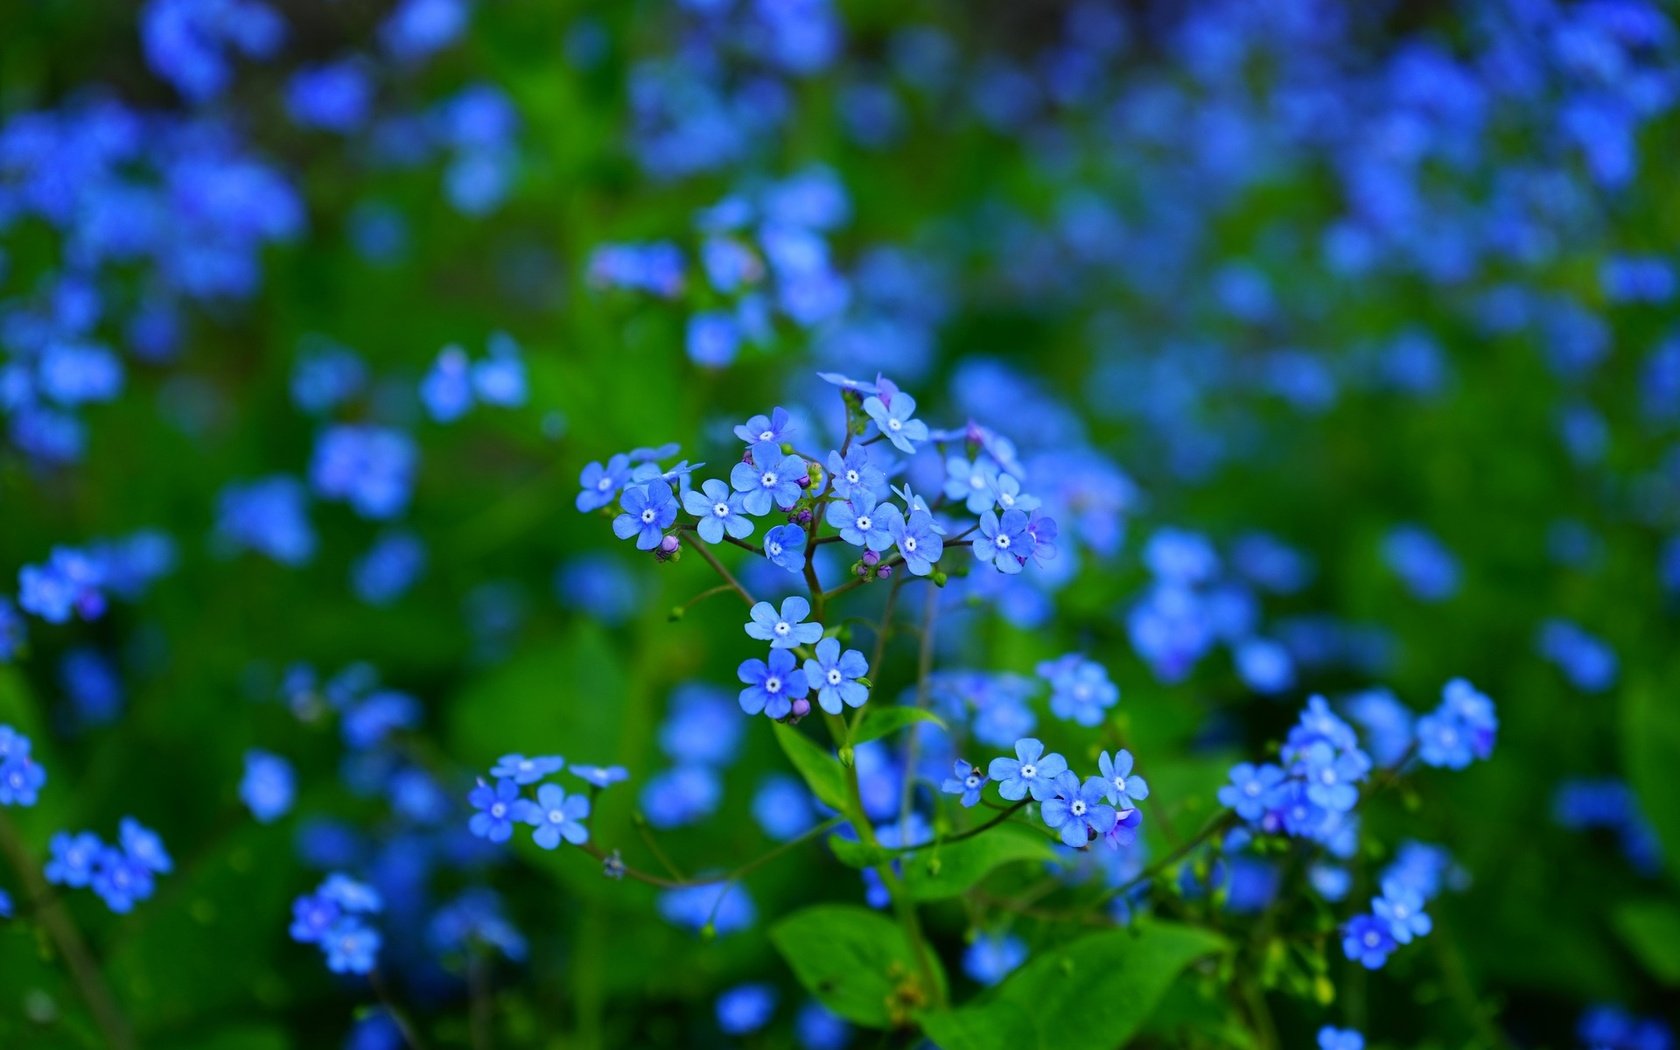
x=705 y=552
x=729 y=876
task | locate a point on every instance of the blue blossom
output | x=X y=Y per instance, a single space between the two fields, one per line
x=417 y=29
x=784 y=545
x=446 y=390
x=1264 y=665
x=993 y=956
x=6 y=909
x=1401 y=907
x=684 y=795
x=187 y=42
x=776 y=428
x=1080 y=689
x=1121 y=787
x=268 y=786
x=1367 y=941
x=1252 y=790
x=1331 y=777
x=724 y=906
x=13 y=630
x=21 y=777
x=600 y=484
x=601 y=776
x=389 y=568
x=144 y=847
x=356 y=898
x=1031 y=770
x=1179 y=556
x=1340 y=1039
x=370 y=467
x=719 y=511
x=69 y=583
x=648 y=510
x=772 y=687
x=120 y=880
x=1078 y=810
x=973 y=482
x=918 y=540
x=818 y=1029
x=499 y=379
x=1004 y=542
x=785 y=629
x=1319 y=724
x=72 y=858
x=1422 y=562
x=783 y=807
x=768 y=477
x=351 y=947
x=862 y=523
x=834 y=675
x=522 y=770
x=893 y=412
x=702 y=726
x=1006 y=492
x=332 y=97
x=498 y=807
x=269 y=516
x=746 y=1008
x=853 y=474
x=967 y=782
x=557 y=816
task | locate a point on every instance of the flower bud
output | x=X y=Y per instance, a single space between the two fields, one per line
x=870 y=558
x=884 y=572
x=801 y=707
x=670 y=543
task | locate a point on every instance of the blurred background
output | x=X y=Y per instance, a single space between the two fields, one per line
x=312 y=314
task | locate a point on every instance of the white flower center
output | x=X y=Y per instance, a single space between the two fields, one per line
x=973 y=781
x=834 y=676
x=1078 y=807
x=863 y=523
x=1372 y=939
x=976 y=482
x=783 y=627
x=556 y=817
x=1120 y=784
x=1252 y=789
x=909 y=544
x=720 y=510
x=604 y=484
x=775 y=549
x=772 y=684
x=1002 y=542
x=648 y=516
x=852 y=476
x=893 y=424
x=1005 y=499
x=766 y=435
x=768 y=479
x=1028 y=771
x=497 y=809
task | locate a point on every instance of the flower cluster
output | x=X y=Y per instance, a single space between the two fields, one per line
x=122 y=874
x=21 y=777
x=1099 y=808
x=554 y=814
x=335 y=918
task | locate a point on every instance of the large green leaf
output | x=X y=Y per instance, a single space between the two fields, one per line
x=1651 y=750
x=947 y=870
x=882 y=720
x=856 y=962
x=1097 y=992
x=821 y=770
x=1651 y=930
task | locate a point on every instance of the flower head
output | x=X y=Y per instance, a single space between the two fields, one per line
x=1004 y=542
x=834 y=675
x=648 y=510
x=1367 y=940
x=784 y=545
x=1031 y=770
x=773 y=685
x=522 y=770
x=967 y=783
x=894 y=413
x=1078 y=810
x=768 y=477
x=559 y=816
x=498 y=807
x=1123 y=790
x=786 y=628
x=720 y=511
x=918 y=540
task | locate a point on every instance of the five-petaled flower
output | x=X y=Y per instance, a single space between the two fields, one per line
x=1122 y=788
x=648 y=511
x=785 y=629
x=967 y=783
x=1031 y=770
x=1078 y=810
x=773 y=685
x=559 y=816
x=720 y=511
x=834 y=675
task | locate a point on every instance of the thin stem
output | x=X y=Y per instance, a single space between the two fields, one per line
x=729 y=876
x=652 y=843
x=84 y=971
x=1002 y=816
x=703 y=595
x=398 y=1015
x=705 y=552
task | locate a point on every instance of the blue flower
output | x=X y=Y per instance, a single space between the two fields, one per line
x=1004 y=541
x=918 y=540
x=771 y=687
x=819 y=1029
x=6 y=910
x=522 y=770
x=1401 y=907
x=1122 y=788
x=73 y=857
x=498 y=807
x=21 y=777
x=783 y=807
x=268 y=786
x=1367 y=941
x=648 y=511
x=785 y=629
x=371 y=468
x=1340 y=1039
x=1006 y=491
x=601 y=483
x=350 y=895
x=1319 y=723
x=446 y=390
x=559 y=816
x=775 y=428
x=893 y=412
x=784 y=545
x=1031 y=770
x=764 y=479
x=351 y=947
x=312 y=916
x=853 y=474
x=861 y=523
x=601 y=776
x=1080 y=689
x=500 y=377
x=834 y=675
x=69 y=583
x=120 y=880
x=967 y=782
x=746 y=1009
x=719 y=511
x=1078 y=810
x=993 y=956
x=1443 y=742
x=144 y=847
x=269 y=516
x=973 y=482
x=1253 y=789
x=1331 y=777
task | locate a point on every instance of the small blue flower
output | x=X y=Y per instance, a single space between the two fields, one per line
x=6 y=910
x=1331 y=777
x=601 y=484
x=648 y=511
x=834 y=675
x=719 y=511
x=21 y=777
x=1366 y=940
x=852 y=474
x=1123 y=789
x=974 y=482
x=498 y=807
x=1004 y=541
x=785 y=629
x=784 y=545
x=769 y=477
x=1006 y=491
x=1401 y=907
x=967 y=782
x=351 y=947
x=559 y=816
x=862 y=523
x=268 y=786
x=1031 y=770
x=746 y=1009
x=775 y=428
x=918 y=540
x=1253 y=789
x=120 y=880
x=522 y=770
x=1340 y=1039
x=1443 y=742
x=144 y=847
x=993 y=956
x=73 y=856
x=312 y=916
x=446 y=390
x=893 y=412
x=1078 y=810
x=771 y=687
x=1080 y=689
x=601 y=776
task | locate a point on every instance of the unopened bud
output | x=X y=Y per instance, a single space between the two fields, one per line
x=939 y=579
x=884 y=572
x=870 y=558
x=801 y=707
x=670 y=543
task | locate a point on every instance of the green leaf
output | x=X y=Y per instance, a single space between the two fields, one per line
x=855 y=854
x=856 y=962
x=881 y=721
x=1651 y=930
x=1651 y=749
x=985 y=1026
x=821 y=770
x=945 y=871
x=1096 y=991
